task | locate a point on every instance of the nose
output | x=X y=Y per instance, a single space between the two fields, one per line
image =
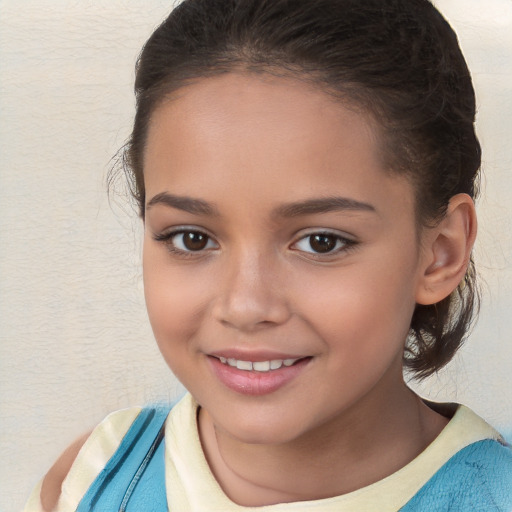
x=251 y=295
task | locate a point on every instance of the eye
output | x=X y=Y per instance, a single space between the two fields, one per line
x=323 y=243
x=187 y=241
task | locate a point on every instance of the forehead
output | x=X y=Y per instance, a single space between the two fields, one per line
x=264 y=135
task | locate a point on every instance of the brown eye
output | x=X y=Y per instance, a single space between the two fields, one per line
x=322 y=243
x=192 y=240
x=183 y=242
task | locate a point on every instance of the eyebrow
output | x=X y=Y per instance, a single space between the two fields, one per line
x=187 y=204
x=297 y=209
x=322 y=205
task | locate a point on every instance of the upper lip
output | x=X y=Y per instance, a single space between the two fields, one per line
x=254 y=355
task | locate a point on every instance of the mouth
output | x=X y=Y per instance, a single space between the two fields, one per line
x=258 y=366
x=260 y=377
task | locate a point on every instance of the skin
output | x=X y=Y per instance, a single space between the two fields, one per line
x=264 y=143
x=347 y=419
x=52 y=482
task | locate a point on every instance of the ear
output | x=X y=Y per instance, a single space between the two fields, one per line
x=446 y=250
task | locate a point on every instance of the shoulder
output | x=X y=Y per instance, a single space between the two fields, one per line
x=488 y=466
x=52 y=482
x=473 y=469
x=478 y=477
x=80 y=463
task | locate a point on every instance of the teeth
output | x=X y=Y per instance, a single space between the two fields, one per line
x=263 y=366
x=258 y=366
x=244 y=365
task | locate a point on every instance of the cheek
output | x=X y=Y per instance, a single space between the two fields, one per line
x=359 y=310
x=174 y=298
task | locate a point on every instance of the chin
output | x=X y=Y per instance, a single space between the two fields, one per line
x=261 y=431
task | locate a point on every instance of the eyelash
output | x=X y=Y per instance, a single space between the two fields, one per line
x=342 y=244
x=166 y=238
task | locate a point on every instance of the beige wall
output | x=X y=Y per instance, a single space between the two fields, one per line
x=74 y=338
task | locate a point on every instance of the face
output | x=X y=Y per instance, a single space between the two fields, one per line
x=280 y=258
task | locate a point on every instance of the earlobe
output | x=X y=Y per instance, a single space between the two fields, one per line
x=447 y=251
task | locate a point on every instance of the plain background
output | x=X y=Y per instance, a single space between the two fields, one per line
x=75 y=342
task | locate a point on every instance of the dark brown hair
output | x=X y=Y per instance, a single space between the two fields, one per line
x=397 y=60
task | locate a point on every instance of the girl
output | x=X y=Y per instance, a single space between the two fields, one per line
x=305 y=171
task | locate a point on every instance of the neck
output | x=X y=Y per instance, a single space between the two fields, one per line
x=360 y=447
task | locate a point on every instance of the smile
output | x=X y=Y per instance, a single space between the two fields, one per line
x=259 y=377
x=258 y=366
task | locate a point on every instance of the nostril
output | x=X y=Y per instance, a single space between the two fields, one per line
x=251 y=313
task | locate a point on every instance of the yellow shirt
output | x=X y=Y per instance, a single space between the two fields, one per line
x=192 y=487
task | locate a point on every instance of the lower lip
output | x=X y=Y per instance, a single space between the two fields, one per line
x=256 y=383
